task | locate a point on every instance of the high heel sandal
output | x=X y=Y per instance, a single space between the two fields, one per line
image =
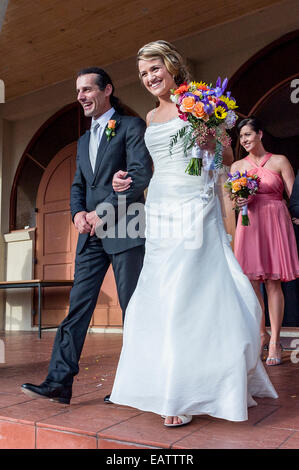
x=277 y=359
x=265 y=343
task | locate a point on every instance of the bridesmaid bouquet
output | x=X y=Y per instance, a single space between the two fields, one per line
x=210 y=112
x=242 y=185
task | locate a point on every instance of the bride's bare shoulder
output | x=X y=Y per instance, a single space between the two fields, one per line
x=149 y=116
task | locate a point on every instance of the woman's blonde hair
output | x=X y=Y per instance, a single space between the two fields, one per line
x=170 y=56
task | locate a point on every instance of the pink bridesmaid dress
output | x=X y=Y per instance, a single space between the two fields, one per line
x=266 y=249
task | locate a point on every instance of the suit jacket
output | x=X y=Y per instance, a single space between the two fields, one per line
x=294 y=200
x=294 y=207
x=93 y=190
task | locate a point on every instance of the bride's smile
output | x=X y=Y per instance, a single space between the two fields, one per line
x=155 y=77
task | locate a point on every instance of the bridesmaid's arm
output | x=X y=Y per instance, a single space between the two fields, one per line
x=235 y=167
x=228 y=156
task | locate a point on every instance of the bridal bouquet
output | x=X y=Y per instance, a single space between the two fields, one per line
x=242 y=185
x=210 y=112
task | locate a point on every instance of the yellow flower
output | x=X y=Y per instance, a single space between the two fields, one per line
x=199 y=85
x=220 y=112
x=231 y=104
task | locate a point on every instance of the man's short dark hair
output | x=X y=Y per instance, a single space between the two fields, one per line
x=102 y=80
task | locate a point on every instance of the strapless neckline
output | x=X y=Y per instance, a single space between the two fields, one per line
x=163 y=122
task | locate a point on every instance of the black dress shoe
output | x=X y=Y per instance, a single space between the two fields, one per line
x=107 y=399
x=60 y=394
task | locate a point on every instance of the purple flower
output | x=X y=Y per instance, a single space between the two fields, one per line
x=250 y=184
x=236 y=175
x=208 y=107
x=196 y=97
x=219 y=89
x=221 y=103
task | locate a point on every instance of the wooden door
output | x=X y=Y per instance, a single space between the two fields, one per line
x=56 y=239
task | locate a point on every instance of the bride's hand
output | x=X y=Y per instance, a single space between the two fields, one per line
x=120 y=182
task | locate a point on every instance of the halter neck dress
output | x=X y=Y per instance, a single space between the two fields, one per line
x=266 y=249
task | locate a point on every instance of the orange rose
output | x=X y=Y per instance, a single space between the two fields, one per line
x=198 y=110
x=111 y=124
x=197 y=93
x=243 y=181
x=188 y=104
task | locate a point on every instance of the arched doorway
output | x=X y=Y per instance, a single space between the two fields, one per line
x=263 y=88
x=56 y=240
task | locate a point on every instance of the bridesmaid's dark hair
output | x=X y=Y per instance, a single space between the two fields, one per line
x=102 y=80
x=253 y=122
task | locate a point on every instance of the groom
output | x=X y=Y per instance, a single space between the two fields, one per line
x=114 y=142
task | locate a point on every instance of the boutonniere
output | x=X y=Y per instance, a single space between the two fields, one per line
x=110 y=129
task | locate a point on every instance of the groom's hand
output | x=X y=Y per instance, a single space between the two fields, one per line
x=94 y=221
x=80 y=222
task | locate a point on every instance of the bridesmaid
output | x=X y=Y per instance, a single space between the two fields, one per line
x=266 y=249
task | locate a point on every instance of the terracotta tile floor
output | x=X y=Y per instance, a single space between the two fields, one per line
x=89 y=423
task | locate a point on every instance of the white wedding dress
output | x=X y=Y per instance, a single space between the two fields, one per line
x=191 y=335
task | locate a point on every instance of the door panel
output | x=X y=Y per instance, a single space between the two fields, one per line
x=56 y=239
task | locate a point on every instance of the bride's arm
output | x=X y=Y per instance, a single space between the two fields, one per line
x=120 y=182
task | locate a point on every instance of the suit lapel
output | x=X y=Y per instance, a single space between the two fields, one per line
x=85 y=162
x=104 y=144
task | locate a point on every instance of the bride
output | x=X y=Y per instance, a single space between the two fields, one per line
x=191 y=332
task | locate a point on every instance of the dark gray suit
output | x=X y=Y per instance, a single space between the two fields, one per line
x=92 y=191
x=294 y=206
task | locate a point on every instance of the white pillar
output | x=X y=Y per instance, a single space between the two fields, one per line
x=19 y=267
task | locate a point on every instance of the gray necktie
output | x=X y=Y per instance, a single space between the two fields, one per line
x=94 y=144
